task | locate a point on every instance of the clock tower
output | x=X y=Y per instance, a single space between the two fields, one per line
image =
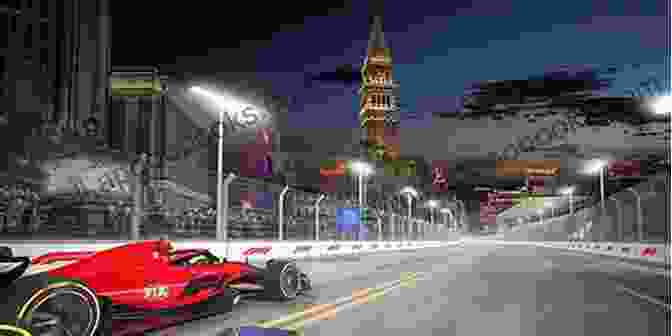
x=379 y=104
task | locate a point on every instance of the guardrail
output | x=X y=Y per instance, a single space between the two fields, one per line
x=640 y=214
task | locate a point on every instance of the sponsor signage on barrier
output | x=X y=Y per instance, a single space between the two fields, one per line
x=257 y=250
x=357 y=247
x=648 y=252
x=333 y=248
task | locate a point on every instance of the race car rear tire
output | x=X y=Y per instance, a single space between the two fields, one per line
x=282 y=280
x=61 y=305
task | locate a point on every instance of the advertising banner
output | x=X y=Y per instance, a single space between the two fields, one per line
x=399 y=168
x=67 y=176
x=392 y=143
x=328 y=184
x=624 y=168
x=440 y=175
x=256 y=200
x=333 y=168
x=348 y=219
x=511 y=168
x=488 y=212
x=535 y=184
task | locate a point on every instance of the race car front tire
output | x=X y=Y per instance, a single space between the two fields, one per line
x=281 y=281
x=57 y=306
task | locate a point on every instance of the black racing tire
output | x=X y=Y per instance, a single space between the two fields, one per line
x=281 y=281
x=45 y=306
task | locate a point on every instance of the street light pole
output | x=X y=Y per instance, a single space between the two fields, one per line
x=317 y=216
x=431 y=220
x=602 y=203
x=360 y=189
x=571 y=203
x=221 y=230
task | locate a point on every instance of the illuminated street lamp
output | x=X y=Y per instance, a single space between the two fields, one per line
x=598 y=167
x=361 y=169
x=224 y=107
x=432 y=204
x=662 y=104
x=410 y=193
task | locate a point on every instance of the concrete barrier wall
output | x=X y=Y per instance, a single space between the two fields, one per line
x=240 y=250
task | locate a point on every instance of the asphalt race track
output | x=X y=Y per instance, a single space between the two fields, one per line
x=471 y=290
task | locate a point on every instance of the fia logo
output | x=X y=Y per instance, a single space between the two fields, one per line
x=159 y=292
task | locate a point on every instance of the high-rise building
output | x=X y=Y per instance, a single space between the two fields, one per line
x=54 y=61
x=379 y=112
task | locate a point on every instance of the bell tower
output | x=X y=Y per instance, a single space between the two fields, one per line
x=378 y=106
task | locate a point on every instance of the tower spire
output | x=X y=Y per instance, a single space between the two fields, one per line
x=376 y=36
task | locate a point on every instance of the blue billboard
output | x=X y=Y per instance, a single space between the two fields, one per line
x=348 y=219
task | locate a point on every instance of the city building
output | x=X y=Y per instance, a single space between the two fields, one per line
x=54 y=66
x=54 y=62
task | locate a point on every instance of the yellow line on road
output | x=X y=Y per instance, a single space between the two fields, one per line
x=319 y=312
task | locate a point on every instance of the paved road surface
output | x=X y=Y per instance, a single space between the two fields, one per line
x=475 y=290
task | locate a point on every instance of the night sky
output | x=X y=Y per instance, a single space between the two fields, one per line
x=438 y=47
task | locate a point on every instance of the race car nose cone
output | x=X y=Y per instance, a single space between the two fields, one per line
x=236 y=299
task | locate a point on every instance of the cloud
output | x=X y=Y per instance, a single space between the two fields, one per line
x=346 y=75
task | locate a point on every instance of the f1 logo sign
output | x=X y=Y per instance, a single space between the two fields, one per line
x=257 y=250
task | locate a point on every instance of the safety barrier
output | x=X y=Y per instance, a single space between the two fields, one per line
x=240 y=250
x=637 y=214
x=653 y=253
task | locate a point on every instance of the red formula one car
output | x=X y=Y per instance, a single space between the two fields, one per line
x=132 y=288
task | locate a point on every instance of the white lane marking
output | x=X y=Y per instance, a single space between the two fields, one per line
x=645 y=297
